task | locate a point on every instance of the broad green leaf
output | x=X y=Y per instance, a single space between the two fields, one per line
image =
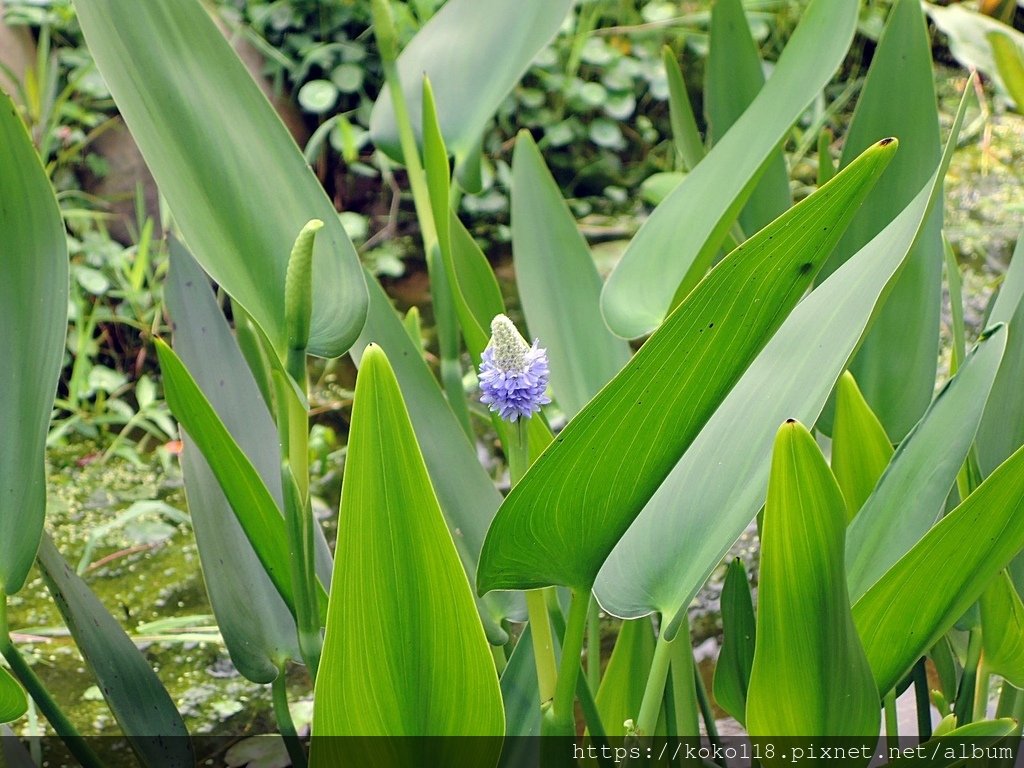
x=257 y=626
x=733 y=76
x=739 y=628
x=236 y=183
x=921 y=597
x=471 y=73
x=700 y=510
x=810 y=676
x=33 y=316
x=912 y=493
x=622 y=687
x=899 y=100
x=135 y=695
x=860 y=448
x=467 y=494
x=1002 y=625
x=686 y=230
x=1009 y=59
x=563 y=518
x=404 y=652
x=559 y=286
x=251 y=501
x=13 y=703
x=1002 y=427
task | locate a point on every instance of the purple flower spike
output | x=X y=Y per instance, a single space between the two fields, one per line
x=513 y=375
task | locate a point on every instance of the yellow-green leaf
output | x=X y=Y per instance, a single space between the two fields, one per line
x=622 y=688
x=810 y=676
x=13 y=703
x=404 y=652
x=920 y=598
x=1002 y=625
x=860 y=448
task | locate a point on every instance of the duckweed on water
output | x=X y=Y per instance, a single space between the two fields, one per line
x=145 y=568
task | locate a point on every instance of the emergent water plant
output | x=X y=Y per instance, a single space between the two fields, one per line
x=764 y=329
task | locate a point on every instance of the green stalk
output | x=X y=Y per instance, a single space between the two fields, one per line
x=536 y=602
x=448 y=337
x=654 y=692
x=561 y=720
x=285 y=724
x=683 y=687
x=981 y=690
x=964 y=707
x=892 y=723
x=60 y=722
x=706 y=712
x=594 y=646
x=922 y=700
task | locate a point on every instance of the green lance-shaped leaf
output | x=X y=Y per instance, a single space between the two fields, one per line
x=559 y=286
x=474 y=288
x=251 y=501
x=912 y=493
x=13 y=703
x=739 y=629
x=622 y=689
x=236 y=183
x=256 y=624
x=686 y=230
x=33 y=315
x=700 y=510
x=472 y=74
x=562 y=520
x=920 y=598
x=810 y=676
x=685 y=135
x=1002 y=626
x=404 y=652
x=468 y=496
x=135 y=695
x=733 y=76
x=1002 y=427
x=860 y=448
x=899 y=100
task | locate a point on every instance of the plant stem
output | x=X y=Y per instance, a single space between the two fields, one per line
x=892 y=722
x=706 y=712
x=686 y=708
x=924 y=704
x=64 y=728
x=536 y=599
x=964 y=707
x=562 y=721
x=285 y=724
x=981 y=689
x=654 y=692
x=594 y=646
